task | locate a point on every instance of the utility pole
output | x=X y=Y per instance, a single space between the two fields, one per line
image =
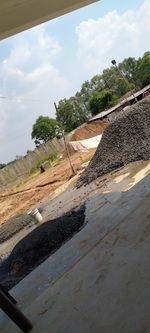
x=115 y=64
x=65 y=143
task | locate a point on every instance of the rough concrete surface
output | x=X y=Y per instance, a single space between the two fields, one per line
x=99 y=281
x=125 y=140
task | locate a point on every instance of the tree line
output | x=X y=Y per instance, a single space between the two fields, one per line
x=96 y=95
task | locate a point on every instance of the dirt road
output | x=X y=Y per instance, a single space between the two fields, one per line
x=35 y=188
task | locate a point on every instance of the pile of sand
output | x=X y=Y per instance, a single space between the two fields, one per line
x=87 y=131
x=125 y=140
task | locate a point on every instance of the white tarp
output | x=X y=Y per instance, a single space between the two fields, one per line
x=84 y=145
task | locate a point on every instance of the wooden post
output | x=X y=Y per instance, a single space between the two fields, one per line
x=65 y=143
x=8 y=305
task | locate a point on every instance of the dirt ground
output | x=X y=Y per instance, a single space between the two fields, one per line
x=19 y=199
x=90 y=129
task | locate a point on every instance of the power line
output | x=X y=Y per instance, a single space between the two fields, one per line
x=19 y=99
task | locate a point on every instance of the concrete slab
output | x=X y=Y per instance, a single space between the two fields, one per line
x=99 y=281
x=67 y=197
x=19 y=15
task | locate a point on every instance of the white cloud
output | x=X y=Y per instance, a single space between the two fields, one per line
x=113 y=36
x=32 y=83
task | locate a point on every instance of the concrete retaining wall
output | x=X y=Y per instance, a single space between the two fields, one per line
x=21 y=168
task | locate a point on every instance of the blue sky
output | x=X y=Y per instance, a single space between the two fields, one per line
x=51 y=61
x=64 y=27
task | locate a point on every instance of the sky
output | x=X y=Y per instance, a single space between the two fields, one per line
x=50 y=62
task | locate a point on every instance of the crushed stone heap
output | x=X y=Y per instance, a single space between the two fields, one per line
x=125 y=140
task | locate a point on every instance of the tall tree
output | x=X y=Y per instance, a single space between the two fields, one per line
x=70 y=114
x=128 y=68
x=86 y=91
x=97 y=83
x=122 y=86
x=143 y=70
x=109 y=76
x=2 y=165
x=102 y=100
x=45 y=129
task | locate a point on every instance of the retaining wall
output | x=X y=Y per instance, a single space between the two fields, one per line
x=20 y=169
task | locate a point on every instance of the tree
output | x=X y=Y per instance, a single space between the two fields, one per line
x=128 y=68
x=102 y=100
x=45 y=129
x=97 y=83
x=86 y=91
x=2 y=165
x=122 y=86
x=109 y=76
x=102 y=90
x=143 y=70
x=70 y=113
x=80 y=103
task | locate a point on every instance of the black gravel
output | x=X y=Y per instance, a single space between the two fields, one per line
x=33 y=249
x=125 y=140
x=14 y=225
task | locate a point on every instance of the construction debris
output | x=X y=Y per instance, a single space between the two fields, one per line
x=125 y=140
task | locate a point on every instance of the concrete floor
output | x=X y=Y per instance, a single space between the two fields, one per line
x=99 y=281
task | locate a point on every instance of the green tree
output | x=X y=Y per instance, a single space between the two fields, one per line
x=105 y=87
x=45 y=129
x=102 y=100
x=2 y=165
x=70 y=113
x=86 y=91
x=143 y=70
x=97 y=83
x=109 y=76
x=122 y=86
x=128 y=68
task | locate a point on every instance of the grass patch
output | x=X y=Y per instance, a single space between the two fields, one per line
x=52 y=159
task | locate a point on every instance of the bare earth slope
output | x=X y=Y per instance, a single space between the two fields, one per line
x=125 y=140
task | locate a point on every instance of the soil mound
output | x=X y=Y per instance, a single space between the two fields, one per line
x=33 y=249
x=87 y=131
x=125 y=140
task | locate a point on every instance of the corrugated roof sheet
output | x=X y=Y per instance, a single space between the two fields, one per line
x=117 y=106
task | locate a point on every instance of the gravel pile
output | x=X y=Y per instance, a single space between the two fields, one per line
x=125 y=140
x=33 y=249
